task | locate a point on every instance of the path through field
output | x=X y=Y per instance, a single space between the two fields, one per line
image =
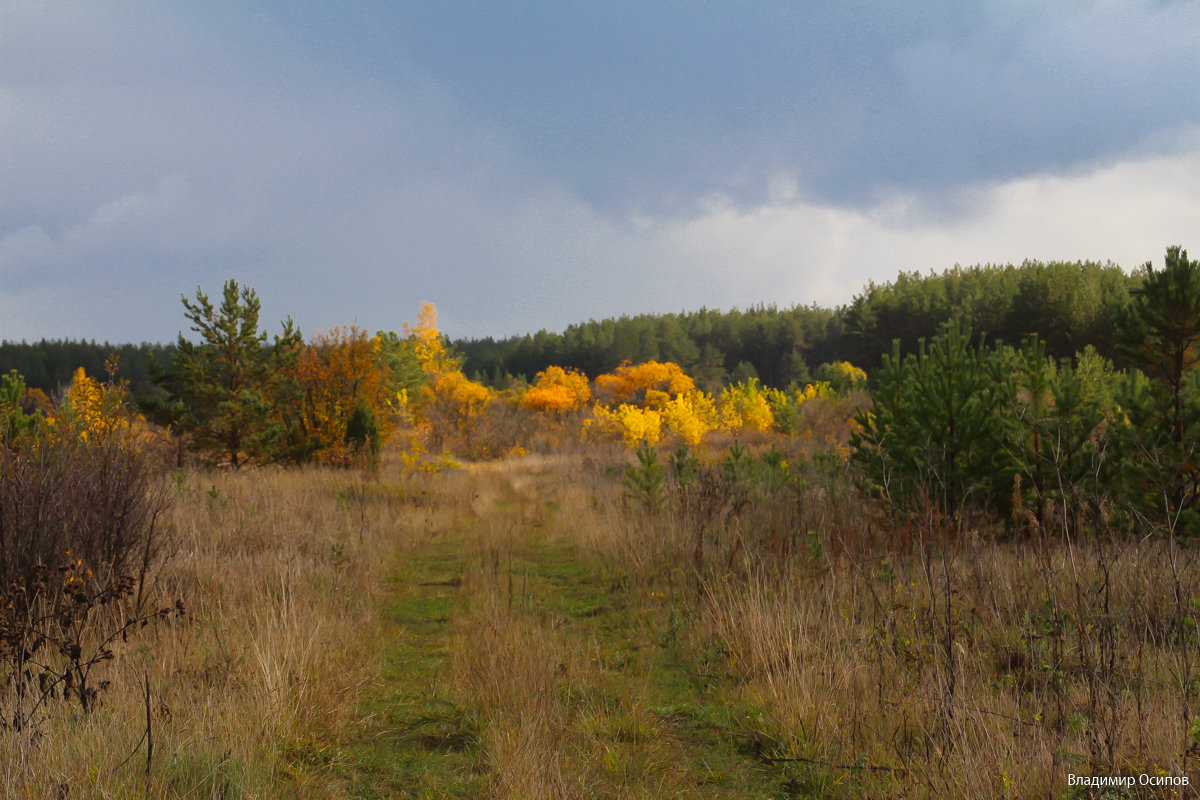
x=522 y=665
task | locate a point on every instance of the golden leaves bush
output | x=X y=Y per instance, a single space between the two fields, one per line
x=557 y=389
x=746 y=406
x=631 y=383
x=336 y=371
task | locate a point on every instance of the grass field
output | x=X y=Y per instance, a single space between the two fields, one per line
x=520 y=629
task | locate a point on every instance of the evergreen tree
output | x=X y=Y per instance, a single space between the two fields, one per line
x=1060 y=434
x=1159 y=334
x=233 y=389
x=936 y=430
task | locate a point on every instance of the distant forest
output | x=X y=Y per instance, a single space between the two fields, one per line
x=1069 y=305
x=49 y=364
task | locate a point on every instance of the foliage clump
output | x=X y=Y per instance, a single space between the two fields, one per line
x=81 y=502
x=233 y=392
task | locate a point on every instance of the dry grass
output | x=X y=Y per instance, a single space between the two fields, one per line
x=593 y=654
x=280 y=573
x=963 y=668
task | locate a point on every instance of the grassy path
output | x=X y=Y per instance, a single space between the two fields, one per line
x=520 y=666
x=417 y=740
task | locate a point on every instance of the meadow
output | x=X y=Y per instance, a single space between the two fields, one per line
x=531 y=627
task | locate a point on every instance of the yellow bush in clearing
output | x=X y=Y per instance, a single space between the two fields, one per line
x=746 y=406
x=690 y=416
x=632 y=423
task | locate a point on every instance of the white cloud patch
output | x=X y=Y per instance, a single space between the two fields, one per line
x=802 y=252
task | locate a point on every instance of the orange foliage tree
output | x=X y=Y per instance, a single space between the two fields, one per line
x=649 y=384
x=338 y=371
x=557 y=389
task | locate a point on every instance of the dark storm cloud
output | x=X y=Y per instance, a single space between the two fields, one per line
x=645 y=103
x=528 y=166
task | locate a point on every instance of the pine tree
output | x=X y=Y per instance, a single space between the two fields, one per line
x=233 y=387
x=1159 y=334
x=936 y=429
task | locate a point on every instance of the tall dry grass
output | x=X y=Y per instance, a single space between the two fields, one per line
x=279 y=573
x=885 y=662
x=919 y=661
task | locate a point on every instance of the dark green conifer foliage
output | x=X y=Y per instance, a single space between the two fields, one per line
x=234 y=388
x=1060 y=437
x=362 y=429
x=1159 y=335
x=936 y=431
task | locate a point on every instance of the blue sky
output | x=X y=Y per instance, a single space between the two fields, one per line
x=530 y=165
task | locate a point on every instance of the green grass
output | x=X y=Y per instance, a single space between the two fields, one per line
x=647 y=718
x=416 y=740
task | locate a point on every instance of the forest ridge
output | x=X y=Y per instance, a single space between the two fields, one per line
x=1068 y=304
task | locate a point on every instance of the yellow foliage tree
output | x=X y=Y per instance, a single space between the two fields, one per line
x=746 y=406
x=426 y=341
x=449 y=402
x=648 y=384
x=557 y=389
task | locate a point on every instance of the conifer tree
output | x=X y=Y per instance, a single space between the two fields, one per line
x=936 y=429
x=1159 y=334
x=233 y=388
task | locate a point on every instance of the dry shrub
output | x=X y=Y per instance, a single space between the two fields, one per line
x=81 y=507
x=97 y=497
x=281 y=574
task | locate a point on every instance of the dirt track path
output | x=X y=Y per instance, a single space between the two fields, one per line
x=520 y=666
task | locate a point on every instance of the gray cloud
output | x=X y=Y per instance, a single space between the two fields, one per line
x=146 y=150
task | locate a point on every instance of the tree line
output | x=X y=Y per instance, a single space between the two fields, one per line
x=50 y=364
x=1069 y=305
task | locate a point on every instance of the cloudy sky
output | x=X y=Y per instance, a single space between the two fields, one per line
x=529 y=165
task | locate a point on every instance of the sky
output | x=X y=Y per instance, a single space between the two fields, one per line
x=526 y=166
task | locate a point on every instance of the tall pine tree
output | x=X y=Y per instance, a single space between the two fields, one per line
x=1159 y=334
x=234 y=389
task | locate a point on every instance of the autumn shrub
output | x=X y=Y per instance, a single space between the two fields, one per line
x=746 y=406
x=634 y=384
x=557 y=390
x=690 y=416
x=81 y=503
x=502 y=427
x=841 y=376
x=345 y=381
x=85 y=481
